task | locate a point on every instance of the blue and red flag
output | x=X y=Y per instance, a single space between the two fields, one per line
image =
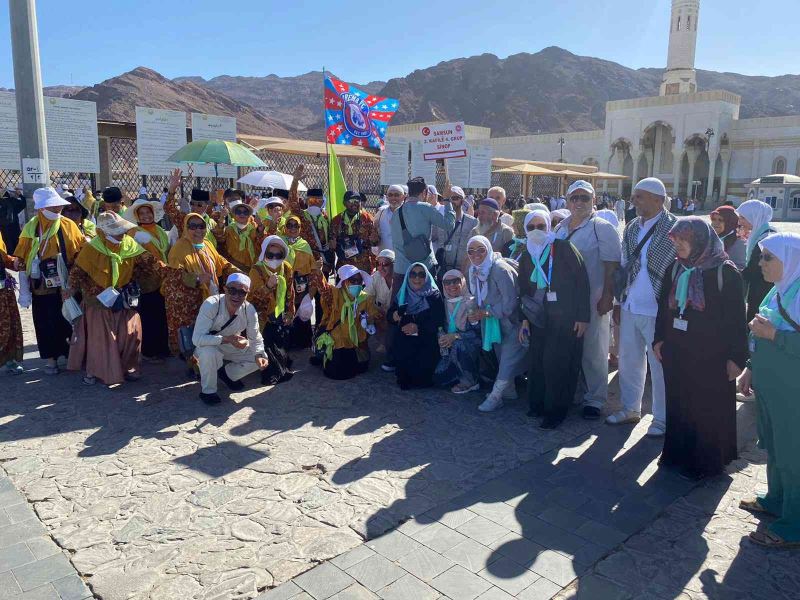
x=354 y=117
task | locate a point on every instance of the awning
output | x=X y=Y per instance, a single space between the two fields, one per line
x=527 y=169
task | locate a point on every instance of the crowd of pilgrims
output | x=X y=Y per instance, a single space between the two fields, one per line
x=452 y=294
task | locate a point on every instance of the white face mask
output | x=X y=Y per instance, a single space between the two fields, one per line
x=314 y=211
x=241 y=225
x=113 y=240
x=537 y=237
x=274 y=263
x=49 y=214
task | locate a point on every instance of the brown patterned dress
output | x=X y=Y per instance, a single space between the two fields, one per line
x=10 y=323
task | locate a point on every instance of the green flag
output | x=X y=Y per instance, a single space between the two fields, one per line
x=336 y=186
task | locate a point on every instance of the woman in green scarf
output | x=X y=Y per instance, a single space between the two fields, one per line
x=775 y=361
x=108 y=336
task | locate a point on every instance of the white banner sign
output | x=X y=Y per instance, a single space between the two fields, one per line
x=159 y=133
x=34 y=170
x=394 y=161
x=9 y=135
x=421 y=167
x=71 y=127
x=445 y=140
x=214 y=127
x=72 y=143
x=458 y=171
x=480 y=166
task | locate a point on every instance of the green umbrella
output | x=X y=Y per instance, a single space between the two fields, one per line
x=216 y=152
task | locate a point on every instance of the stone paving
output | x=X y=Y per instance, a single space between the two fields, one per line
x=151 y=494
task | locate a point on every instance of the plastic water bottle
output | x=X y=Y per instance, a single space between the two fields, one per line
x=442 y=350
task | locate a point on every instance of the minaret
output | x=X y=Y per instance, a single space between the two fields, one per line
x=679 y=76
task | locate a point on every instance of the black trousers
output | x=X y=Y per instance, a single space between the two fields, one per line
x=52 y=330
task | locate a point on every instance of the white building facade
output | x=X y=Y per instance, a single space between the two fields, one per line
x=694 y=141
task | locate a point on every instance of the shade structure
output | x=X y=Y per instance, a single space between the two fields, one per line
x=216 y=152
x=571 y=173
x=270 y=179
x=527 y=169
x=602 y=175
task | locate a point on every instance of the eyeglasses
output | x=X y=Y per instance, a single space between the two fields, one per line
x=448 y=282
x=234 y=291
x=196 y=226
x=417 y=275
x=384 y=264
x=540 y=227
x=241 y=212
x=475 y=251
x=292 y=226
x=273 y=255
x=580 y=198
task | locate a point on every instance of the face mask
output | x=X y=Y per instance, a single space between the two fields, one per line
x=198 y=246
x=241 y=226
x=537 y=237
x=49 y=214
x=354 y=290
x=314 y=211
x=291 y=240
x=112 y=239
x=274 y=263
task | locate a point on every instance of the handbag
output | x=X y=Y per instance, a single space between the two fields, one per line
x=416 y=248
x=621 y=273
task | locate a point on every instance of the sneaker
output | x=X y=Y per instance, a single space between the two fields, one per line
x=656 y=430
x=388 y=367
x=623 y=417
x=510 y=393
x=210 y=398
x=14 y=368
x=491 y=403
x=461 y=388
x=592 y=413
x=234 y=386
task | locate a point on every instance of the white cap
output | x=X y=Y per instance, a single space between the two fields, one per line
x=236 y=203
x=653 y=185
x=405 y=189
x=581 y=185
x=396 y=187
x=238 y=278
x=112 y=224
x=432 y=190
x=457 y=191
x=389 y=254
x=274 y=200
x=345 y=272
x=47 y=197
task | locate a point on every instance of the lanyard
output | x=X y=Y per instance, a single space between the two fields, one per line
x=538 y=267
x=452 y=328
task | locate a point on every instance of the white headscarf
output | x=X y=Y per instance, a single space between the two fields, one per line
x=538 y=206
x=758 y=214
x=786 y=248
x=273 y=239
x=479 y=275
x=536 y=250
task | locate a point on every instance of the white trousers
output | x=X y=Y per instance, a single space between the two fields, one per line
x=635 y=343
x=210 y=358
x=595 y=358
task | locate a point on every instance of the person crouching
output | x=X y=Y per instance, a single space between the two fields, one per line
x=221 y=349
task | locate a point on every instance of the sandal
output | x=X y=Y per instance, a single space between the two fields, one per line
x=771 y=540
x=752 y=505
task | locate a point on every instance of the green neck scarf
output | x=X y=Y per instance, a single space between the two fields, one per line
x=682 y=289
x=128 y=248
x=538 y=276
x=245 y=241
x=299 y=245
x=280 y=291
x=350 y=223
x=348 y=314
x=29 y=231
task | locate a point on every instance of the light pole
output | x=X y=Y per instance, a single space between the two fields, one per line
x=29 y=98
x=561 y=142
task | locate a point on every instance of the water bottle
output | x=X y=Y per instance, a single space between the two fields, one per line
x=442 y=350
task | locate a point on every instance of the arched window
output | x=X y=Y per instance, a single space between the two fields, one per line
x=689 y=23
x=779 y=165
x=794 y=201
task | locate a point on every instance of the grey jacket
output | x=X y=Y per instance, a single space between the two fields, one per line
x=420 y=219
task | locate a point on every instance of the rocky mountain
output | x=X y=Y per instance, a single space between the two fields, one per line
x=296 y=102
x=117 y=98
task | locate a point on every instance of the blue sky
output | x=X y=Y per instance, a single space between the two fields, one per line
x=86 y=41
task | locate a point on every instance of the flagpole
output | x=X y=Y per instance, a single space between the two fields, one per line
x=325 y=128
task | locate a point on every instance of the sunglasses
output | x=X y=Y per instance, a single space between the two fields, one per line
x=580 y=198
x=292 y=226
x=455 y=281
x=476 y=251
x=241 y=212
x=233 y=291
x=273 y=255
x=540 y=227
x=384 y=265
x=417 y=275
x=196 y=226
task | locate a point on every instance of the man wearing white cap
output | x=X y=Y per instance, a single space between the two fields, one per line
x=395 y=196
x=599 y=244
x=647 y=254
x=48 y=246
x=222 y=352
x=380 y=289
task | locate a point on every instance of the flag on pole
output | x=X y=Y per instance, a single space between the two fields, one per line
x=336 y=185
x=354 y=117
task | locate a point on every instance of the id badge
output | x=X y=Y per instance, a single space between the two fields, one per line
x=350 y=248
x=680 y=324
x=552 y=297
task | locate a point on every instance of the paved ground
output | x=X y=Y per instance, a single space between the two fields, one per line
x=149 y=493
